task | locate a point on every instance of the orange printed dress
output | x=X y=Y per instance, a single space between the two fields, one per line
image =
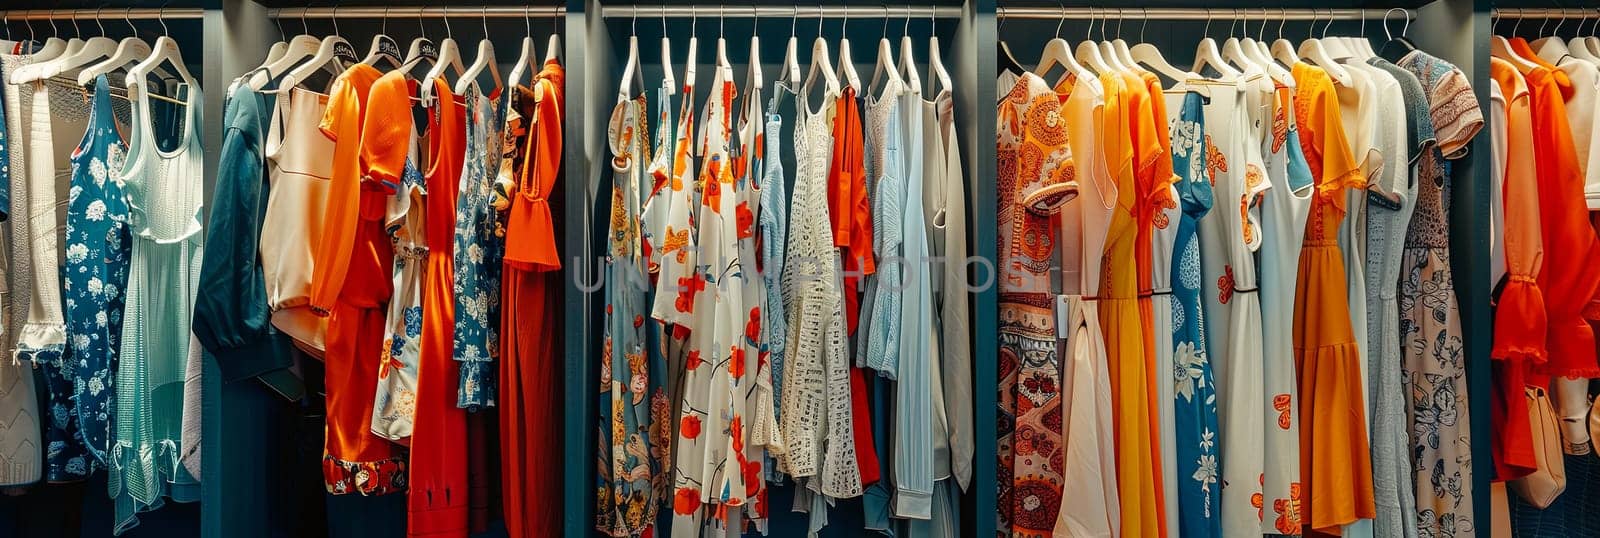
x=1129 y=141
x=1336 y=467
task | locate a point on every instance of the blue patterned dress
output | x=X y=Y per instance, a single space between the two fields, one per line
x=93 y=276
x=480 y=245
x=1194 y=394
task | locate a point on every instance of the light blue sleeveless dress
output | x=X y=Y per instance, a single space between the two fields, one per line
x=164 y=191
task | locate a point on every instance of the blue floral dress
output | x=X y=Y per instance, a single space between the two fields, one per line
x=1194 y=394
x=93 y=276
x=480 y=245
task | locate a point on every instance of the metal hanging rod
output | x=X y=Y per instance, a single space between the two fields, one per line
x=103 y=14
x=1545 y=13
x=369 y=12
x=1198 y=14
x=828 y=12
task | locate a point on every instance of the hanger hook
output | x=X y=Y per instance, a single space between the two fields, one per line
x=819 y=21
x=485 y=15
x=1145 y=15
x=448 y=33
x=527 y=19
x=1542 y=23
x=1386 y=35
x=844 y=22
x=98 y=21
x=422 y=29
x=794 y=22
x=1120 y=18
x=1363 y=22
x=885 y=20
x=384 y=28
x=127 y=16
x=1516 y=23
x=76 y=31
x=1088 y=33
x=335 y=19
x=161 y=15
x=1207 y=31
x=720 y=18
x=694 y=21
x=1062 y=20
x=907 y=30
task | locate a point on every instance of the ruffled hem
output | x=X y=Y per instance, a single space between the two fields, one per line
x=40 y=338
x=1570 y=351
x=1520 y=322
x=367 y=478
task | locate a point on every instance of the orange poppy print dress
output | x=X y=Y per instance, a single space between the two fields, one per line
x=1335 y=461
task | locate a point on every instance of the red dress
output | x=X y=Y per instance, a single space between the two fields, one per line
x=436 y=504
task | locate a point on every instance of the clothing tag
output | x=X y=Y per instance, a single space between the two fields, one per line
x=1063 y=316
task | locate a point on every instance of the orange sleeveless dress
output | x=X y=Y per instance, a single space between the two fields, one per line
x=1335 y=461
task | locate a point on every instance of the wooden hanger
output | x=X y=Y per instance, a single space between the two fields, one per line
x=484 y=60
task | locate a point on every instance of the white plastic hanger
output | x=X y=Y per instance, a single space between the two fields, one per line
x=53 y=46
x=754 y=75
x=1593 y=41
x=722 y=45
x=1551 y=47
x=165 y=50
x=1500 y=47
x=1580 y=47
x=847 y=67
x=1312 y=50
x=908 y=61
x=941 y=77
x=1148 y=56
x=485 y=59
x=1088 y=52
x=449 y=57
x=383 y=48
x=1207 y=53
x=694 y=49
x=819 y=63
x=300 y=48
x=885 y=63
x=1108 y=51
x=1257 y=50
x=333 y=55
x=791 y=61
x=1119 y=50
x=525 y=59
x=130 y=50
x=93 y=50
x=552 y=47
x=421 y=52
x=1282 y=49
x=1058 y=52
x=669 y=82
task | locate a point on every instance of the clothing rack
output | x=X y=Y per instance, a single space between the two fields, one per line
x=368 y=12
x=1546 y=13
x=104 y=14
x=1199 y=14
x=827 y=12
